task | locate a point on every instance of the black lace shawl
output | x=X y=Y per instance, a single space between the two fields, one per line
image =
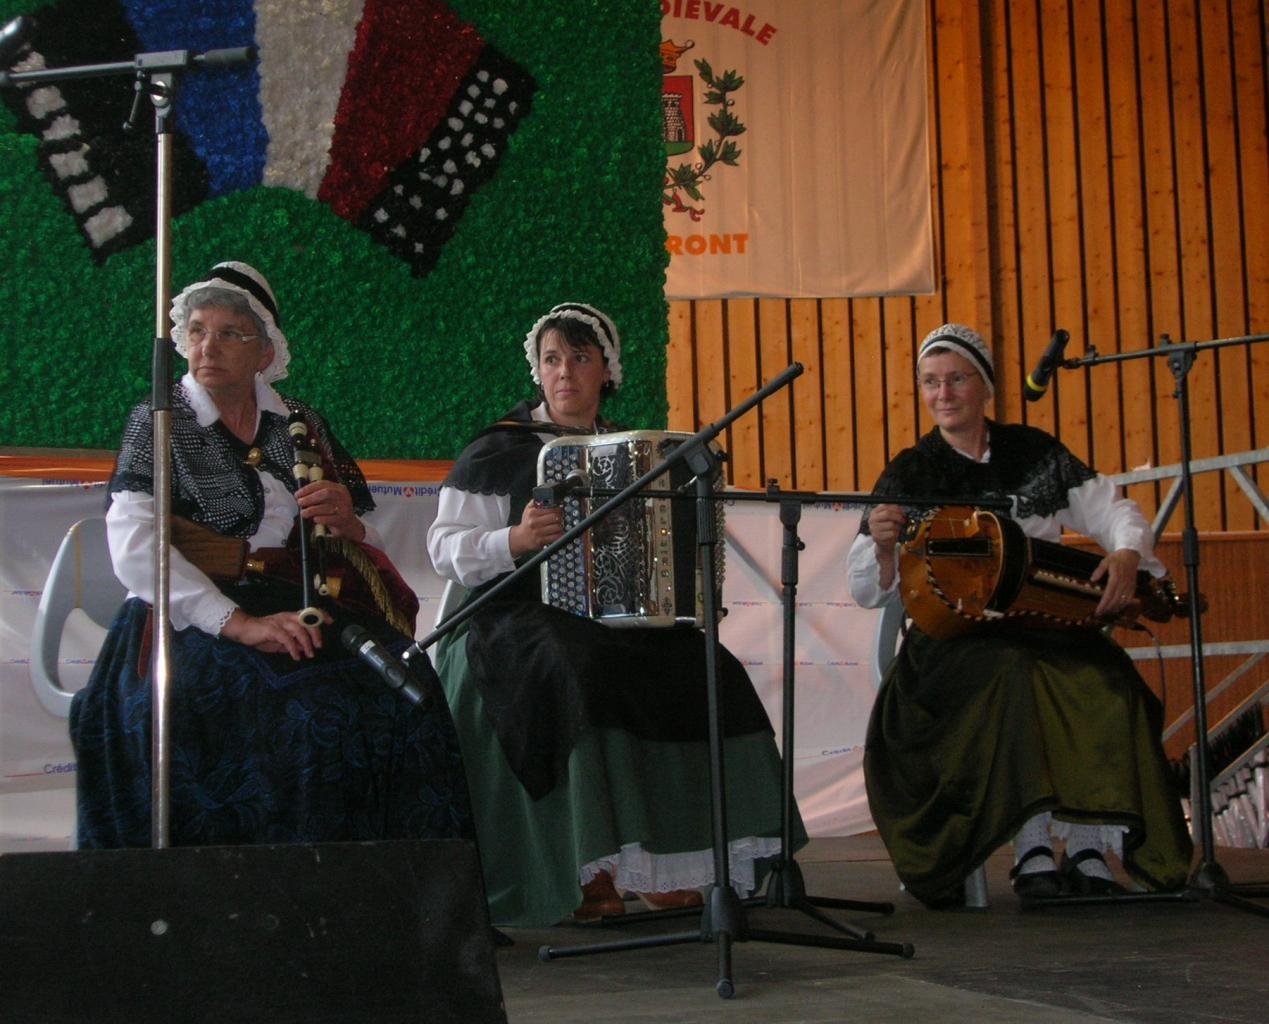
x=503 y=458
x=211 y=481
x=1026 y=464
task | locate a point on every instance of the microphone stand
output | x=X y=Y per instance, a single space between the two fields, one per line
x=157 y=75
x=786 y=886
x=723 y=918
x=679 y=455
x=1209 y=879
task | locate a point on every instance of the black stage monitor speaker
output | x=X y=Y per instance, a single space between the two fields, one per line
x=324 y=933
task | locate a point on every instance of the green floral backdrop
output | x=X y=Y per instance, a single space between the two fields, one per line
x=403 y=367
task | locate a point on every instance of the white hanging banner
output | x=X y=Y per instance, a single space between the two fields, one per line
x=797 y=148
x=835 y=682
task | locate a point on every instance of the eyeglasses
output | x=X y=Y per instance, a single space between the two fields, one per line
x=199 y=334
x=955 y=381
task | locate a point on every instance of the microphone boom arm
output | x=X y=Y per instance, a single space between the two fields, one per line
x=680 y=454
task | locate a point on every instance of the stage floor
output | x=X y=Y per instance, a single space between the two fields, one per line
x=1163 y=963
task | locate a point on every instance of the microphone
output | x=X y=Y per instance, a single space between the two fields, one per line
x=236 y=55
x=1037 y=382
x=551 y=494
x=357 y=640
x=12 y=39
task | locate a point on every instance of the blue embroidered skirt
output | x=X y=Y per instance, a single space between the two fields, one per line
x=264 y=749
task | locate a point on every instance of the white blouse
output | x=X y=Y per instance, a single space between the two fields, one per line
x=1095 y=509
x=469 y=541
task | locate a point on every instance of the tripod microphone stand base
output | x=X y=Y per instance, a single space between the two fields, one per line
x=1187 y=895
x=1208 y=882
x=786 y=889
x=724 y=921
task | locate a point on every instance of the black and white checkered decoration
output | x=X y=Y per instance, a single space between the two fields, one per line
x=419 y=210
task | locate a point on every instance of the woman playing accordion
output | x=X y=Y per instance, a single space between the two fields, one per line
x=1035 y=735
x=586 y=747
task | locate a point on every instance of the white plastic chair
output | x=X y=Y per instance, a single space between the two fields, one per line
x=451 y=598
x=885 y=644
x=886 y=641
x=81 y=576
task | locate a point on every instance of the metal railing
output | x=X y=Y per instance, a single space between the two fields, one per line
x=1239 y=808
x=1233 y=464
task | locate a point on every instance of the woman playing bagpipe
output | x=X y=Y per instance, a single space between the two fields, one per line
x=1033 y=734
x=586 y=746
x=277 y=734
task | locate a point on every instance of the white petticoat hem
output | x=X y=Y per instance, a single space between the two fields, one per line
x=635 y=869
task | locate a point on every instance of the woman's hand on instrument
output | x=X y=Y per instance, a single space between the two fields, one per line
x=280 y=633
x=885 y=524
x=328 y=502
x=1120 y=570
x=539 y=526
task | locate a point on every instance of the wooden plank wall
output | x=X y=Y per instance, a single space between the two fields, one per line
x=1097 y=165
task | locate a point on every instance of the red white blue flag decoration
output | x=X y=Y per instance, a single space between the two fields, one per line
x=391 y=112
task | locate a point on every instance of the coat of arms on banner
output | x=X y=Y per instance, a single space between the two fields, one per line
x=796 y=138
x=678 y=93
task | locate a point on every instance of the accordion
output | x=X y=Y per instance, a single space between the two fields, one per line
x=639 y=566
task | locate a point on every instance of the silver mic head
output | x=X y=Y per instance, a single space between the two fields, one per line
x=13 y=38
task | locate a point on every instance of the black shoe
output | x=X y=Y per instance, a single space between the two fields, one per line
x=1035 y=885
x=1080 y=884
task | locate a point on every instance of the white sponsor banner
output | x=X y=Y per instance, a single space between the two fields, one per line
x=797 y=148
x=834 y=681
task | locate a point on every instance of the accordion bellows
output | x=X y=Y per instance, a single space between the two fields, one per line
x=639 y=566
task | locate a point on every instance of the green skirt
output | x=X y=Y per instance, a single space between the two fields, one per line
x=618 y=790
x=971 y=737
